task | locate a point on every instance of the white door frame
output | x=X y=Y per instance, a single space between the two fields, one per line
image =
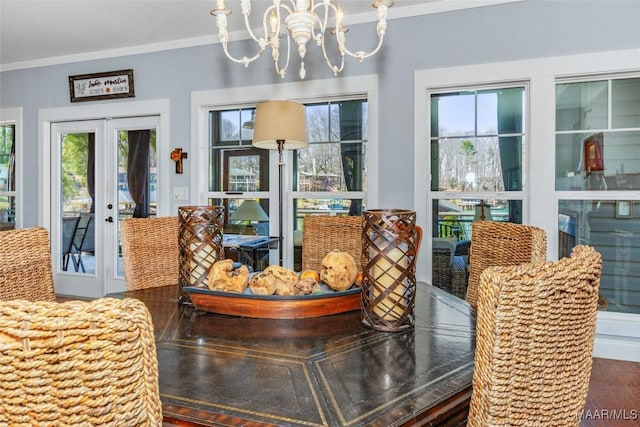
x=90 y=112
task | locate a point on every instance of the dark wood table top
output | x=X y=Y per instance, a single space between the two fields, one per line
x=325 y=371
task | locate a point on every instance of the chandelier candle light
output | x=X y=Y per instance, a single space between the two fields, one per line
x=304 y=20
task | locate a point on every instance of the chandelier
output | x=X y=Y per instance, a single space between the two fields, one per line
x=304 y=20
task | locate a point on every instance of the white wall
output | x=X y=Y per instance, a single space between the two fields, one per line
x=511 y=31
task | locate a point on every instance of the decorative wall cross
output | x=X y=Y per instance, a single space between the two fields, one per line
x=177 y=155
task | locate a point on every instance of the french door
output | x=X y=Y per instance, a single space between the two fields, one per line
x=102 y=171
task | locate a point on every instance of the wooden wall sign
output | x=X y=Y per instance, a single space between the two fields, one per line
x=98 y=86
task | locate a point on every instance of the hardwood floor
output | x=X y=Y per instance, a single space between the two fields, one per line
x=614 y=394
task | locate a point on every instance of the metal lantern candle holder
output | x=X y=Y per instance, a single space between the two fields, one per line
x=200 y=242
x=390 y=242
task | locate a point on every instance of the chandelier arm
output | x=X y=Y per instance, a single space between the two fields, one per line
x=381 y=29
x=361 y=55
x=334 y=68
x=244 y=60
x=247 y=24
x=322 y=23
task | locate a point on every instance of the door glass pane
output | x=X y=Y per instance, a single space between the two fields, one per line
x=77 y=202
x=7 y=177
x=137 y=178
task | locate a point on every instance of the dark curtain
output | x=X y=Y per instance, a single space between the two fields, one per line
x=138 y=171
x=435 y=164
x=510 y=147
x=351 y=153
x=91 y=169
x=11 y=184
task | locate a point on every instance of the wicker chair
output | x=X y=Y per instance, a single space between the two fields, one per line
x=25 y=265
x=502 y=244
x=150 y=252
x=449 y=271
x=78 y=363
x=323 y=233
x=534 y=340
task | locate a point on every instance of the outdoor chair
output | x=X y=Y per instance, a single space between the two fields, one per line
x=25 y=265
x=448 y=270
x=78 y=363
x=322 y=234
x=83 y=240
x=150 y=252
x=69 y=226
x=502 y=244
x=535 y=333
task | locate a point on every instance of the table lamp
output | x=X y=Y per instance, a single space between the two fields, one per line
x=251 y=211
x=280 y=125
x=248 y=212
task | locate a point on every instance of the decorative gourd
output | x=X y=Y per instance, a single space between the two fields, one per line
x=223 y=277
x=338 y=270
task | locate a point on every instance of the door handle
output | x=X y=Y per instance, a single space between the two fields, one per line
x=109 y=219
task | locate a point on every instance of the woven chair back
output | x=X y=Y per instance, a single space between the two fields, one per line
x=535 y=331
x=150 y=252
x=78 y=363
x=25 y=265
x=502 y=244
x=322 y=234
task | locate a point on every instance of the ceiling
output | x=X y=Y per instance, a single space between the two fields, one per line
x=44 y=32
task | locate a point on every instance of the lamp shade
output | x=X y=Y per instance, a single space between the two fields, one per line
x=280 y=121
x=249 y=210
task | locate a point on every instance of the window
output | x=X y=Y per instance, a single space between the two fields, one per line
x=238 y=169
x=598 y=171
x=7 y=176
x=477 y=150
x=328 y=177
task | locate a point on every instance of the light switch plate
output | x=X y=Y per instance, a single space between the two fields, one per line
x=180 y=193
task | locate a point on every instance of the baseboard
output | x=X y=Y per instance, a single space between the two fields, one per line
x=617 y=336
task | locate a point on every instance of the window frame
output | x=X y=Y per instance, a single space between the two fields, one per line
x=505 y=195
x=617 y=334
x=364 y=87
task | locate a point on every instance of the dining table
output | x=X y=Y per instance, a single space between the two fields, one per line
x=217 y=369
